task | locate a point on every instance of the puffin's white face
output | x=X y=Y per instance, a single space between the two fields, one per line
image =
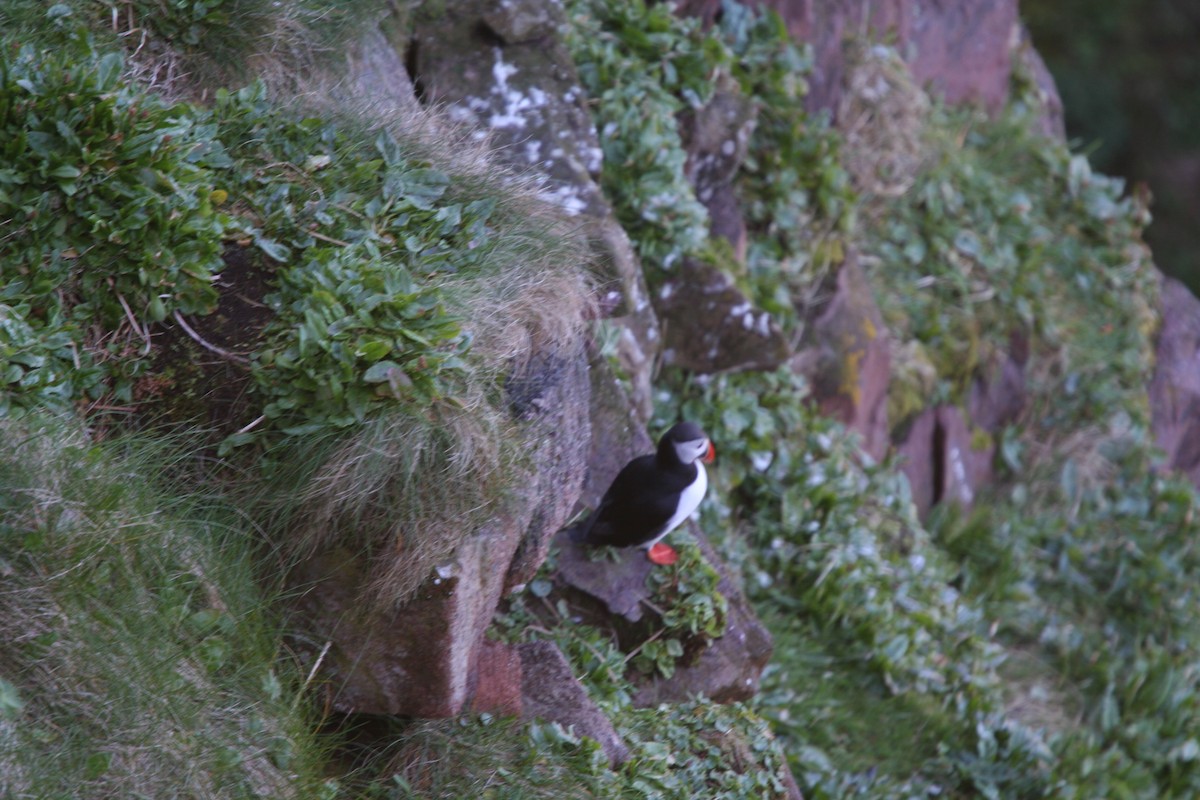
x=693 y=450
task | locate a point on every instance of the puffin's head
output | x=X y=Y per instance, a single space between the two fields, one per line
x=689 y=443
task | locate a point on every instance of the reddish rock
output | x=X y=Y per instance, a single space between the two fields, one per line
x=945 y=459
x=998 y=396
x=618 y=434
x=1175 y=387
x=709 y=325
x=418 y=661
x=961 y=47
x=619 y=585
x=847 y=358
x=497 y=680
x=550 y=399
x=625 y=299
x=1051 y=115
x=550 y=691
x=965 y=458
x=916 y=453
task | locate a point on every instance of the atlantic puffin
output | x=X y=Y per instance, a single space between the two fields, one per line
x=652 y=495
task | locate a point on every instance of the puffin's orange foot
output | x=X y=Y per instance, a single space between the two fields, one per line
x=662 y=554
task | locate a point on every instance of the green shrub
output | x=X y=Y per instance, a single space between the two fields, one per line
x=109 y=225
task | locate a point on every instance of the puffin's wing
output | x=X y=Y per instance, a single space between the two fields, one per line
x=634 y=509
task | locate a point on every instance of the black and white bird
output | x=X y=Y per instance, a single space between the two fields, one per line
x=652 y=495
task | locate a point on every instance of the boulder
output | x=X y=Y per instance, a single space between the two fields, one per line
x=945 y=459
x=997 y=396
x=617 y=432
x=375 y=77
x=965 y=457
x=846 y=356
x=549 y=691
x=625 y=300
x=709 y=325
x=615 y=592
x=424 y=659
x=1175 y=386
x=919 y=463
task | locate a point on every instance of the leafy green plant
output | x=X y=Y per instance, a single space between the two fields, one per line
x=795 y=193
x=642 y=65
x=390 y=269
x=109 y=224
x=693 y=610
x=1010 y=234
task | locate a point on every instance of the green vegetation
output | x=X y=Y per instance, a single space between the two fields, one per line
x=1083 y=559
x=118 y=204
x=141 y=652
x=644 y=66
x=110 y=225
x=693 y=611
x=1001 y=235
x=1047 y=644
x=698 y=749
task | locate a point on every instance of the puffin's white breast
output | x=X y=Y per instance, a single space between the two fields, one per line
x=689 y=501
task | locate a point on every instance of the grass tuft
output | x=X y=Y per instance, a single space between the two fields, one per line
x=141 y=651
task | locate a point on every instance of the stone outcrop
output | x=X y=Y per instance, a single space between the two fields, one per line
x=533 y=680
x=962 y=48
x=501 y=70
x=1175 y=387
x=725 y=669
x=716 y=137
x=550 y=691
x=847 y=359
x=709 y=325
x=947 y=452
x=422 y=659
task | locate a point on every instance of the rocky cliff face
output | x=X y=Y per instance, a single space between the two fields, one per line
x=501 y=68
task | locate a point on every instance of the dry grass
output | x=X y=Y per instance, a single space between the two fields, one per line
x=1036 y=695
x=882 y=116
x=407 y=487
x=134 y=635
x=286 y=45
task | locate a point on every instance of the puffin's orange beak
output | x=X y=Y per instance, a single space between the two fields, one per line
x=711 y=455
